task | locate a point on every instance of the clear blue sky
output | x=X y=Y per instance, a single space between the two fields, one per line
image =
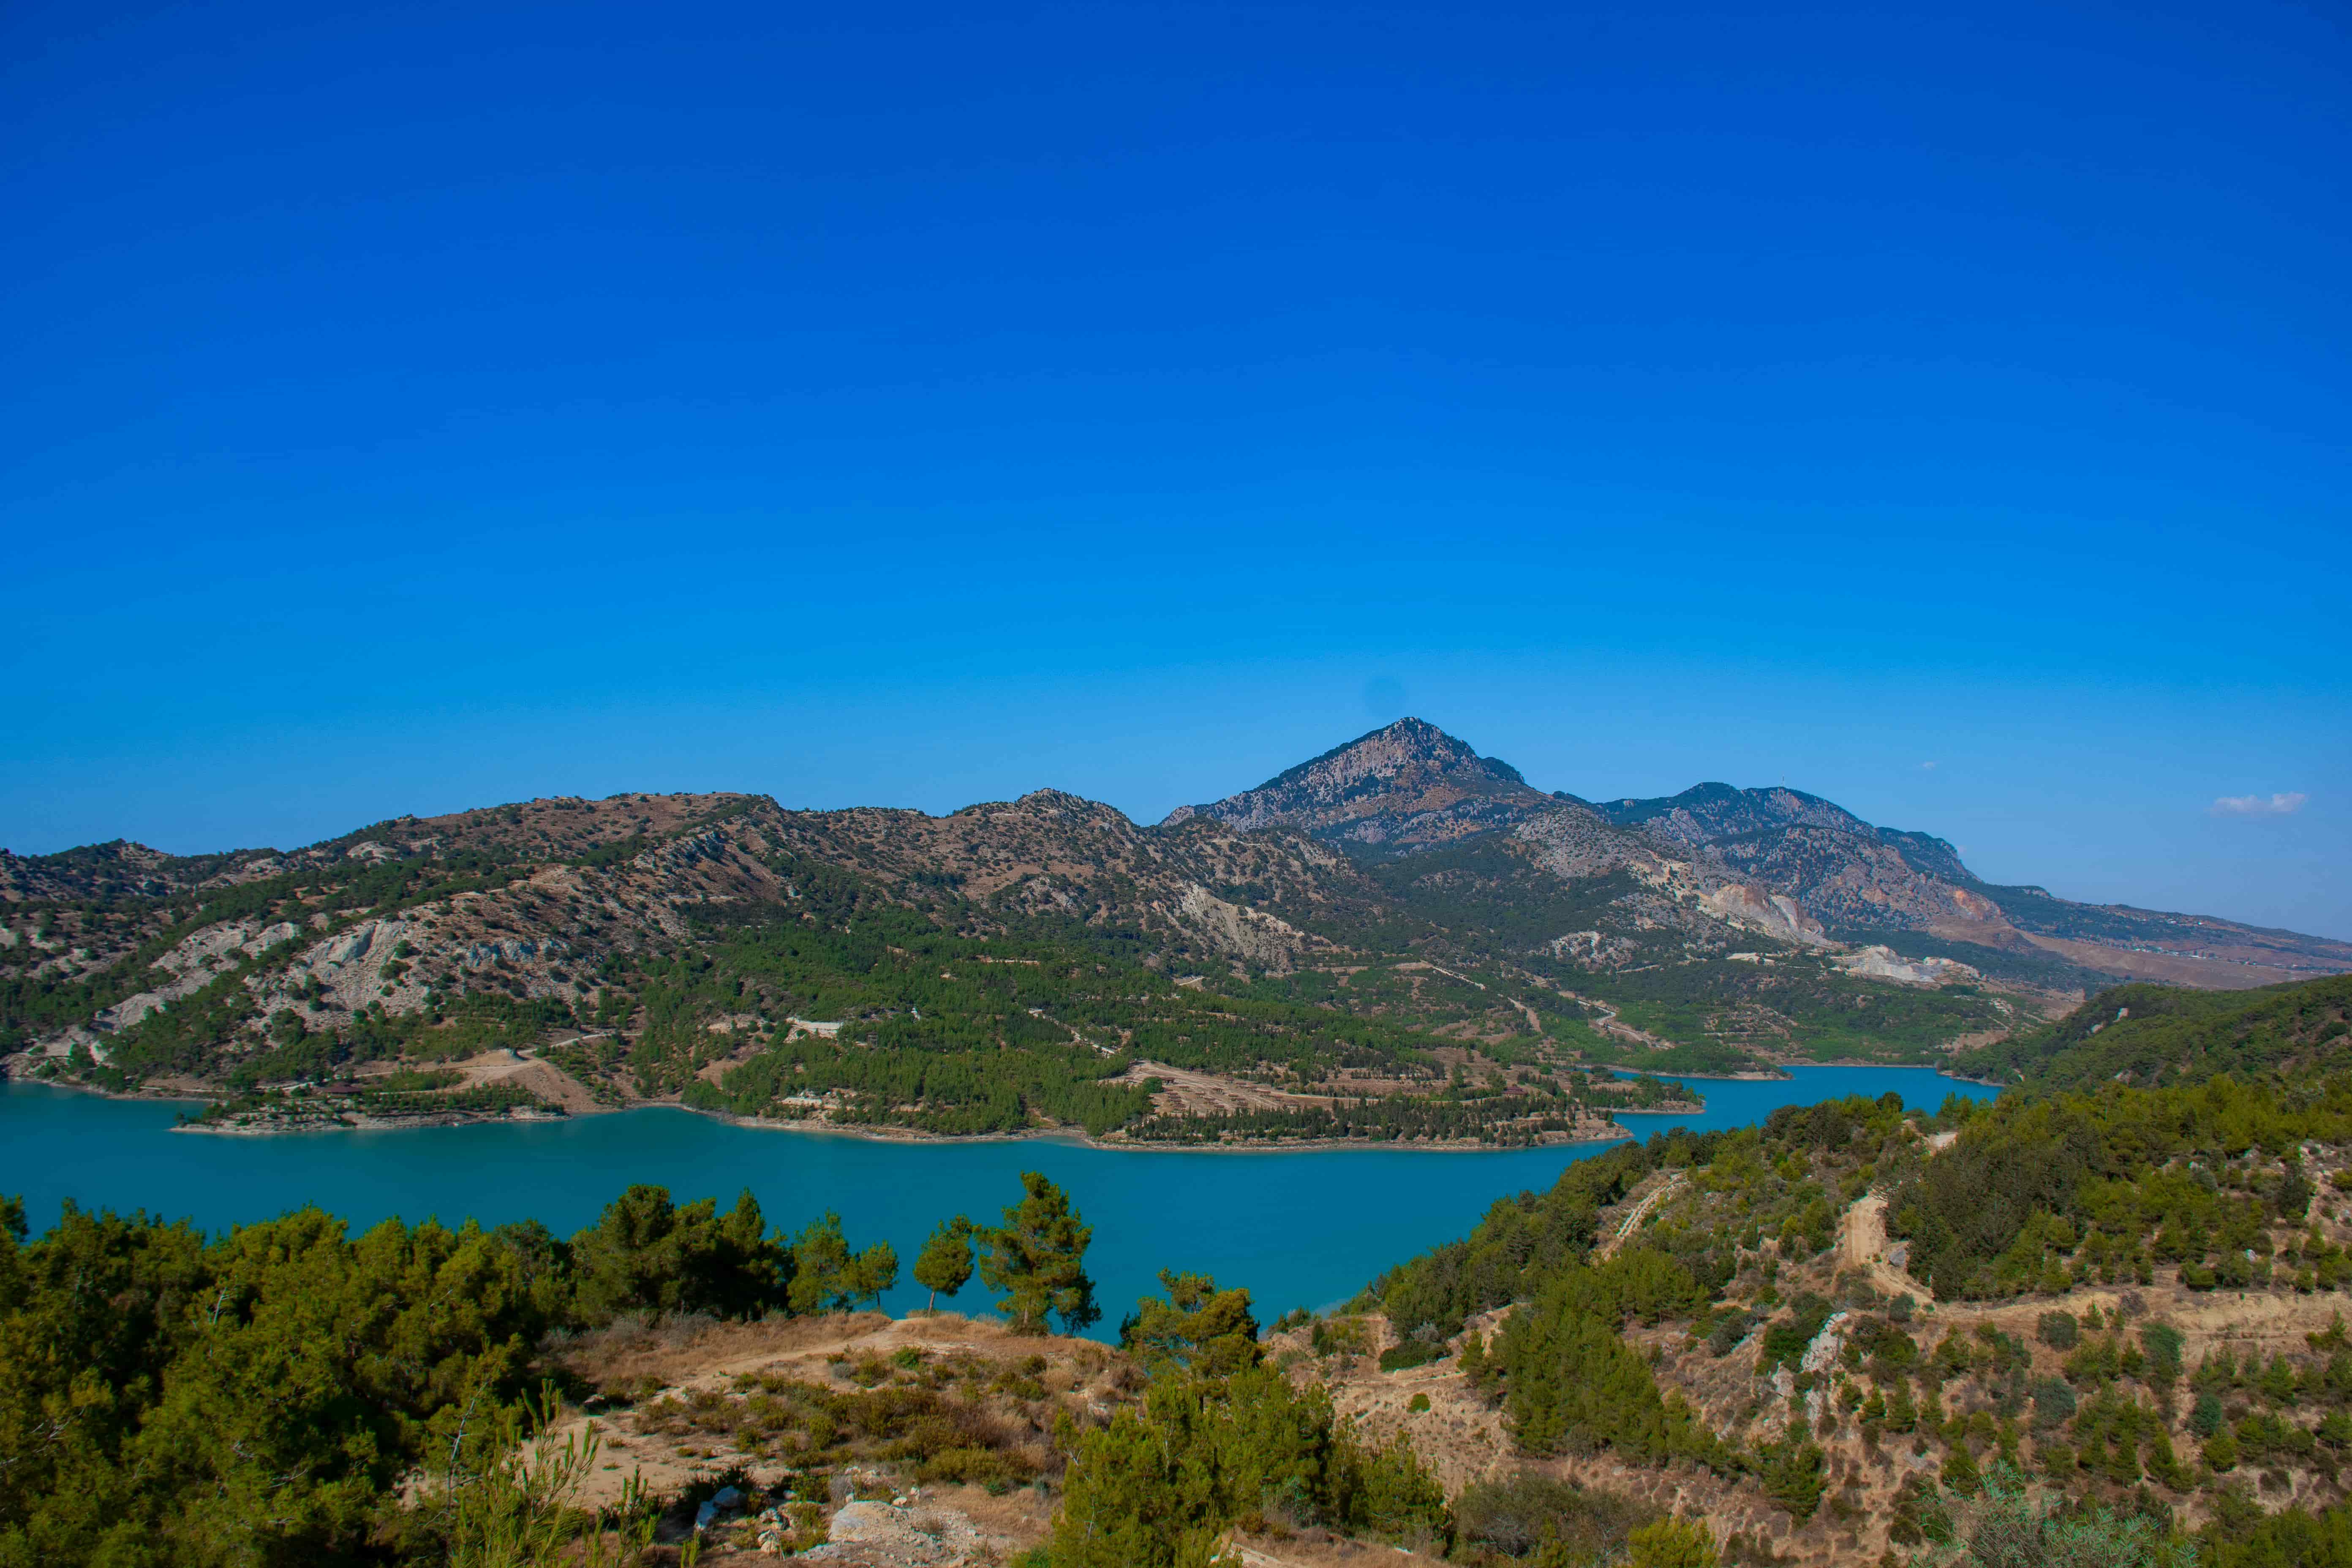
x=413 y=407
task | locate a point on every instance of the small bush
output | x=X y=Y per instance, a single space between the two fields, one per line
x=2054 y=1403
x=1412 y=1353
x=2059 y=1330
x=990 y=1467
x=1672 y=1543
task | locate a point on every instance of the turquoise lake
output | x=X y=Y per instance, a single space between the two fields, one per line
x=1302 y=1229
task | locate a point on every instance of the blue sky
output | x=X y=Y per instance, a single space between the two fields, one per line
x=413 y=407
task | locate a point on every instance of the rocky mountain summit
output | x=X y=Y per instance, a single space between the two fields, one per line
x=1408 y=786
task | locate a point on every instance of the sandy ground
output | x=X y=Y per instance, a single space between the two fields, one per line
x=1183 y=1092
x=544 y=1078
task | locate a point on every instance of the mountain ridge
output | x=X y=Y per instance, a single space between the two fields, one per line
x=1367 y=927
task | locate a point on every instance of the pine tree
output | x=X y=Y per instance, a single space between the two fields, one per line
x=829 y=1277
x=1195 y=1327
x=945 y=1262
x=1037 y=1260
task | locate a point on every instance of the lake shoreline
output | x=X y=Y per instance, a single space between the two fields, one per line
x=1589 y=1130
x=1588 y=1133
x=1298 y=1225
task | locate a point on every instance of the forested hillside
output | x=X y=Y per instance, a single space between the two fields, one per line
x=1857 y=1318
x=2147 y=1033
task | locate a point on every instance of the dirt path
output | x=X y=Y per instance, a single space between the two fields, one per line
x=1607 y=1024
x=1862 y=1245
x=1641 y=1211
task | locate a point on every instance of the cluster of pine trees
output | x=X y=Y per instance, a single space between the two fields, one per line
x=170 y=1398
x=2039 y=1193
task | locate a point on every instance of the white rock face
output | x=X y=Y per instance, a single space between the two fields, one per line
x=1820 y=1356
x=1774 y=914
x=1884 y=963
x=347 y=962
x=1261 y=937
x=193 y=965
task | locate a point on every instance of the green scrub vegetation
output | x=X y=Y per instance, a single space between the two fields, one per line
x=260 y=1397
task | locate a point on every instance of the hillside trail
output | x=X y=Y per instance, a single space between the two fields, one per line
x=1641 y=1211
x=1862 y=1245
x=1607 y=1022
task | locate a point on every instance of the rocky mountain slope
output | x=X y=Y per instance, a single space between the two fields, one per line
x=1410 y=787
x=1399 y=939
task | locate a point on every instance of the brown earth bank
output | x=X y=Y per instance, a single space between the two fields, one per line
x=2172 y=968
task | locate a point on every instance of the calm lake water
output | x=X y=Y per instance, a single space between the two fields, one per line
x=1304 y=1228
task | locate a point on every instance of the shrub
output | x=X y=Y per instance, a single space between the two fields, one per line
x=1526 y=1512
x=1156 y=1486
x=1792 y=1473
x=2059 y=1330
x=2054 y=1403
x=2003 y=1525
x=1336 y=1336
x=1672 y=1543
x=990 y=1467
x=1412 y=1353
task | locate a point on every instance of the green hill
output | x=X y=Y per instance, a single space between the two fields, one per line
x=2147 y=1034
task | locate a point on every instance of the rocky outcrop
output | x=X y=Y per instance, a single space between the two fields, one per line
x=1877 y=962
x=1773 y=914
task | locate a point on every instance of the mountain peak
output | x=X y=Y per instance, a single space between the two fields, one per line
x=1405 y=743
x=1406 y=784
